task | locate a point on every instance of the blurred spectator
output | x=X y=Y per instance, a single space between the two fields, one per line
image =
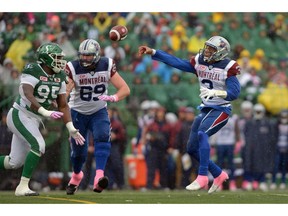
x=31 y=54
x=260 y=139
x=280 y=26
x=192 y=20
x=67 y=47
x=257 y=60
x=146 y=37
x=237 y=51
x=18 y=50
x=250 y=78
x=92 y=31
x=157 y=140
x=173 y=152
x=102 y=21
x=117 y=19
x=146 y=20
x=115 y=51
x=197 y=41
x=6 y=38
x=31 y=33
x=115 y=164
x=281 y=154
x=54 y=25
x=12 y=88
x=5 y=71
x=186 y=165
x=178 y=36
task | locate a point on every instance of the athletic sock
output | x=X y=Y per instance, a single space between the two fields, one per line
x=2 y=158
x=30 y=164
x=99 y=174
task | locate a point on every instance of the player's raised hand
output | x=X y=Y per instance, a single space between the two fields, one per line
x=144 y=50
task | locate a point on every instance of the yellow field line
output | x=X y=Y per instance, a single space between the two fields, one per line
x=65 y=199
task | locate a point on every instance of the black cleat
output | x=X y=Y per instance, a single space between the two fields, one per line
x=71 y=189
x=101 y=185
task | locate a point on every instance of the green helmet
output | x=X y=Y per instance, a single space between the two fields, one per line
x=51 y=55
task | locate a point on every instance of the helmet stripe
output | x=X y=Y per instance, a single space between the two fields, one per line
x=86 y=44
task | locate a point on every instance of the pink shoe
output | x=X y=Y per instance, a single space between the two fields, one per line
x=101 y=184
x=200 y=182
x=74 y=183
x=218 y=181
x=76 y=178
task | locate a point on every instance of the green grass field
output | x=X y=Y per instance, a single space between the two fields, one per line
x=149 y=197
x=138 y=203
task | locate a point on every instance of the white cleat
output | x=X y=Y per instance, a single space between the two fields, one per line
x=25 y=191
x=213 y=188
x=218 y=181
x=193 y=186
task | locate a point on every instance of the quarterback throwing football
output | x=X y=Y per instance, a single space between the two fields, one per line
x=218 y=87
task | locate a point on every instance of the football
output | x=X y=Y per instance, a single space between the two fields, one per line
x=118 y=32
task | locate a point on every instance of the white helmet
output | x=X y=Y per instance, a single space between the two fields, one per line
x=222 y=47
x=89 y=47
x=259 y=111
x=145 y=105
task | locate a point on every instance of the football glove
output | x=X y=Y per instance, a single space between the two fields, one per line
x=206 y=93
x=110 y=98
x=79 y=139
x=51 y=114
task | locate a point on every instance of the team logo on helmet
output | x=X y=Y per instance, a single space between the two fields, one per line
x=222 y=44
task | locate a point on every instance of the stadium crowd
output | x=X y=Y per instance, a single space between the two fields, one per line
x=259 y=141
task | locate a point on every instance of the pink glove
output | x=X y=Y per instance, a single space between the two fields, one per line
x=51 y=114
x=56 y=115
x=111 y=98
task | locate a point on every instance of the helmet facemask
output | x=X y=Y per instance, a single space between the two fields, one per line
x=89 y=52
x=51 y=55
x=58 y=64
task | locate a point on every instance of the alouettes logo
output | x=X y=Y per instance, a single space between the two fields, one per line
x=82 y=76
x=43 y=78
x=202 y=68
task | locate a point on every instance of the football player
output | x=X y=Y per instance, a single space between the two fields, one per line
x=218 y=87
x=89 y=77
x=41 y=84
